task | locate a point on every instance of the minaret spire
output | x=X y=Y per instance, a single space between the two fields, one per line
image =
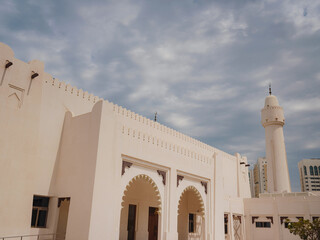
x=270 y=89
x=155 y=116
x=272 y=119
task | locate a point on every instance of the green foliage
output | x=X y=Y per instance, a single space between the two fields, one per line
x=305 y=229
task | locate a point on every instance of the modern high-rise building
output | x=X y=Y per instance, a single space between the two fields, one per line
x=309 y=170
x=260 y=176
x=251 y=181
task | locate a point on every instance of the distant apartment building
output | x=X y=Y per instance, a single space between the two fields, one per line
x=251 y=181
x=259 y=177
x=309 y=170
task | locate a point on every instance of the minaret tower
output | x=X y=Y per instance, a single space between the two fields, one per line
x=272 y=119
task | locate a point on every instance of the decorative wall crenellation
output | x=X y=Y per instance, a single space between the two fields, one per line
x=155 y=125
x=159 y=142
x=72 y=90
x=203 y=152
x=119 y=110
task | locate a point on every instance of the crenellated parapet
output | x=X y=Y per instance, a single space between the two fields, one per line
x=272 y=113
x=158 y=135
x=145 y=130
x=31 y=71
x=165 y=144
x=72 y=90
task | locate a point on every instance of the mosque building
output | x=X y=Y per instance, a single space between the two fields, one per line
x=74 y=166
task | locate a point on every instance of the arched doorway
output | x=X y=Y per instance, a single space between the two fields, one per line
x=141 y=208
x=191 y=215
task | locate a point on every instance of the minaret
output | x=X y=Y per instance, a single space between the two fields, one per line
x=272 y=119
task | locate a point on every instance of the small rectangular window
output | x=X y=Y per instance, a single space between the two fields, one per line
x=39 y=211
x=263 y=224
x=191 y=222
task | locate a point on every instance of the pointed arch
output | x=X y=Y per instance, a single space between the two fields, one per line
x=197 y=194
x=147 y=179
x=191 y=214
x=141 y=206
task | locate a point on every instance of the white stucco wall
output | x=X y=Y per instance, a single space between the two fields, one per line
x=278 y=206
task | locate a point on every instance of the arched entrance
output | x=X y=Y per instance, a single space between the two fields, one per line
x=141 y=207
x=191 y=215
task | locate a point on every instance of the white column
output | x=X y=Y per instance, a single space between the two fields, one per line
x=218 y=198
x=142 y=222
x=172 y=227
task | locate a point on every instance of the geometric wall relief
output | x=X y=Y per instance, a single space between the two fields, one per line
x=179 y=179
x=163 y=175
x=125 y=165
x=237 y=227
x=205 y=185
x=15 y=97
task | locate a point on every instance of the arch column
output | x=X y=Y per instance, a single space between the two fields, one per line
x=172 y=211
x=218 y=213
x=142 y=229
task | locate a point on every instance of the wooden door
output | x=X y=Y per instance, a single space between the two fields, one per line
x=63 y=204
x=131 y=221
x=153 y=223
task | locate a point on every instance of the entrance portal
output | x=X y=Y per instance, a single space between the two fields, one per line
x=191 y=215
x=140 y=210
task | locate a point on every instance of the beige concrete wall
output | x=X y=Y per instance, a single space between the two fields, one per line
x=276 y=207
x=75 y=168
x=31 y=119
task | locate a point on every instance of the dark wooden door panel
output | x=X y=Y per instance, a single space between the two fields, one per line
x=131 y=221
x=153 y=223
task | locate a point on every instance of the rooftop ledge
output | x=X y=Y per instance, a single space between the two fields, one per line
x=293 y=194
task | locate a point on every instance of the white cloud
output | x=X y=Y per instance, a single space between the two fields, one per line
x=180 y=121
x=312 y=145
x=304 y=15
x=213 y=93
x=302 y=105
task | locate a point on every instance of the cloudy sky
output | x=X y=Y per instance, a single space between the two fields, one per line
x=204 y=66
